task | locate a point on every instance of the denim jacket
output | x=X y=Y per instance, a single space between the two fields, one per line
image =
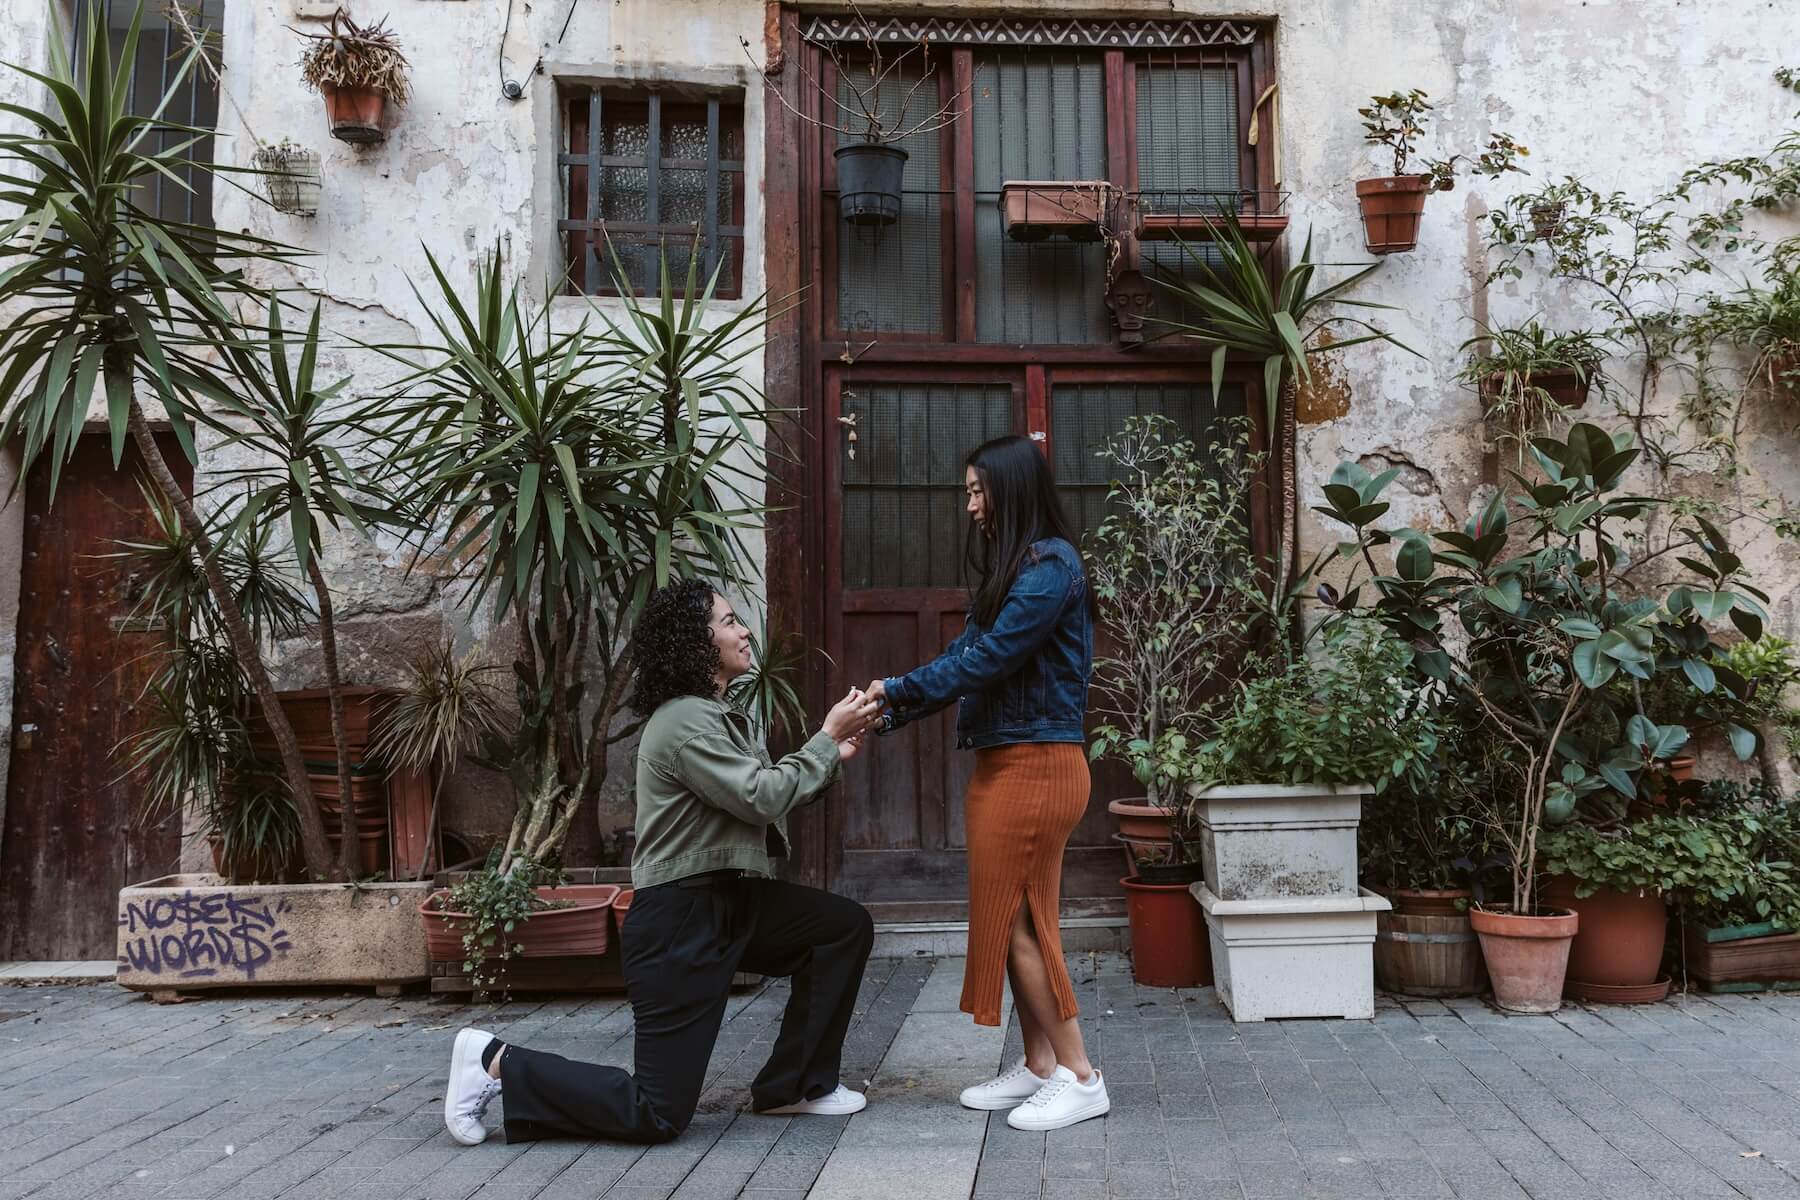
x=1025 y=678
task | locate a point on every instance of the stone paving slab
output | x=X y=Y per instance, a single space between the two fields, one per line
x=323 y=1096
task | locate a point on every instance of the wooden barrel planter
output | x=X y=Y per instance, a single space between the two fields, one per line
x=1435 y=956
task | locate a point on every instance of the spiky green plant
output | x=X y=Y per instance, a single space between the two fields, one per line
x=113 y=300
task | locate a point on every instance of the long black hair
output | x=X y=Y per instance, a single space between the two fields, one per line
x=1022 y=508
x=674 y=654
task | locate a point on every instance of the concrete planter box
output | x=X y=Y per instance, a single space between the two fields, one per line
x=1268 y=841
x=1295 y=957
x=188 y=932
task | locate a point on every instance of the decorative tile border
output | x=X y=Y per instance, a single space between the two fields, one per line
x=977 y=31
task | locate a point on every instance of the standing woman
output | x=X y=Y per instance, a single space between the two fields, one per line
x=1020 y=668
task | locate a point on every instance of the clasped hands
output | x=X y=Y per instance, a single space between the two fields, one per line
x=852 y=717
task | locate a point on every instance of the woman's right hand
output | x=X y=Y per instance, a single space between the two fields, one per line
x=851 y=715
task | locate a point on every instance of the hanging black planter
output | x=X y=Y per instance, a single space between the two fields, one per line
x=868 y=182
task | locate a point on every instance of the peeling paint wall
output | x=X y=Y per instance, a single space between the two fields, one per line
x=1624 y=94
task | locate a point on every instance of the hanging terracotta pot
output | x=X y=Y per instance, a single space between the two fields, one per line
x=1391 y=207
x=355 y=113
x=1527 y=956
x=1546 y=219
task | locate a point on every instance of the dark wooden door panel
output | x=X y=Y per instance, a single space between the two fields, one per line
x=72 y=838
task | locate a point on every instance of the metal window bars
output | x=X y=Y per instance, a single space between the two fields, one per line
x=587 y=169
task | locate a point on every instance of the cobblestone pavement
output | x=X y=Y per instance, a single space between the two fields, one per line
x=338 y=1095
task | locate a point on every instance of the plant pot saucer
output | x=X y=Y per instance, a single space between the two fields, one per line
x=1617 y=993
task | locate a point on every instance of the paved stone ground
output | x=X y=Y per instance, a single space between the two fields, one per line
x=306 y=1097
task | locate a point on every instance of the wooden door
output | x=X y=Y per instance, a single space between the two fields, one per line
x=895 y=538
x=71 y=834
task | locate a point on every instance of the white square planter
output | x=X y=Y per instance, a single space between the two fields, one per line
x=1294 y=957
x=1264 y=841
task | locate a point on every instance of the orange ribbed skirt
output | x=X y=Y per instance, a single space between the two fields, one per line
x=1023 y=803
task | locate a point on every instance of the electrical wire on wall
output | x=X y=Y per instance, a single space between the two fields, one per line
x=513 y=89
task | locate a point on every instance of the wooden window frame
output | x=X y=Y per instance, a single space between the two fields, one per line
x=957 y=246
x=582 y=145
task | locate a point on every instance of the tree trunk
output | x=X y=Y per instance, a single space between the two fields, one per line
x=350 y=850
x=312 y=830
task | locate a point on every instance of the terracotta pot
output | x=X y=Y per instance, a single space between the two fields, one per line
x=1568 y=389
x=620 y=908
x=1431 y=902
x=1144 y=829
x=1527 y=957
x=1036 y=209
x=580 y=929
x=1782 y=363
x=1679 y=769
x=1546 y=219
x=1620 y=943
x=1600 y=993
x=355 y=113
x=1169 y=942
x=250 y=868
x=1391 y=208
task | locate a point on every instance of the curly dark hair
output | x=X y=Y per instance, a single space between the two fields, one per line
x=675 y=655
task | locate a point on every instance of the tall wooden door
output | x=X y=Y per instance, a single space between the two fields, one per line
x=896 y=541
x=72 y=836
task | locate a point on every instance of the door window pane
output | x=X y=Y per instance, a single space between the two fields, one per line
x=1084 y=416
x=903 y=518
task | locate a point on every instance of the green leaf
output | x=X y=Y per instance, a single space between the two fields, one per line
x=1699 y=674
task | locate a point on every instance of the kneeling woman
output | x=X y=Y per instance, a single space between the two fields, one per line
x=710 y=812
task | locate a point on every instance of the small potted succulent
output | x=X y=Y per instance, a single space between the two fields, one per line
x=1393 y=204
x=1527 y=375
x=360 y=71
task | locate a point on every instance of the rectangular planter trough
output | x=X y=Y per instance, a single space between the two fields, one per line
x=188 y=932
x=1294 y=957
x=1267 y=841
x=1743 y=958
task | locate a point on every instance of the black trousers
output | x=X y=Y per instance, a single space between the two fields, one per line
x=683 y=942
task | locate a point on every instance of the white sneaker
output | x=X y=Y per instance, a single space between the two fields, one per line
x=470 y=1089
x=838 y=1102
x=1062 y=1102
x=1006 y=1090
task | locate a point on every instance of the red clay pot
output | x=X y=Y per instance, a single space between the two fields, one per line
x=1169 y=942
x=355 y=113
x=1620 y=943
x=580 y=929
x=1144 y=829
x=1391 y=207
x=1527 y=957
x=1430 y=902
x=620 y=908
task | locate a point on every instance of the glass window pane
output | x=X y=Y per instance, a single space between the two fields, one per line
x=903 y=523
x=1037 y=117
x=1083 y=416
x=890 y=278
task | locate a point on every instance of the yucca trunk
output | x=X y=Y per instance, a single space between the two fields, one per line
x=313 y=843
x=349 y=851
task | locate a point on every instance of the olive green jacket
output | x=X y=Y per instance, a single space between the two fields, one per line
x=709 y=798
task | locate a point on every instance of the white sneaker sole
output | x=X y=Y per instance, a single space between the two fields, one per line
x=460 y=1054
x=813 y=1109
x=1099 y=1108
x=987 y=1104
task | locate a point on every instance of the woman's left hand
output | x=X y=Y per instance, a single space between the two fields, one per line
x=848 y=748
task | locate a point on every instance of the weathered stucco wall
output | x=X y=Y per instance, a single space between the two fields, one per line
x=1624 y=94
